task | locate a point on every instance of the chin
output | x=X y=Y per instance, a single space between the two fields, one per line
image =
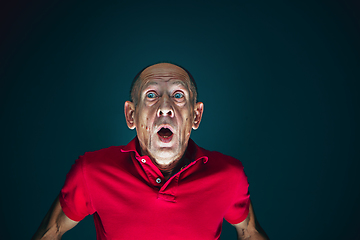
x=163 y=164
x=166 y=157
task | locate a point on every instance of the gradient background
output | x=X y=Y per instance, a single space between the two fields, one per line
x=279 y=80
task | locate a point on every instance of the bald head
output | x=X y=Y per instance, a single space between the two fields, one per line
x=161 y=69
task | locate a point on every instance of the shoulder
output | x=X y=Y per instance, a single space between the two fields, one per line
x=225 y=163
x=213 y=157
x=104 y=156
x=216 y=157
x=105 y=152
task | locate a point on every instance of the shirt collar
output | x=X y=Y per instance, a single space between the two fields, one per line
x=193 y=151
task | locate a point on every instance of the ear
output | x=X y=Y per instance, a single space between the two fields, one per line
x=198 y=111
x=129 y=109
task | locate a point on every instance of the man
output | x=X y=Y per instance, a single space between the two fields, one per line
x=161 y=185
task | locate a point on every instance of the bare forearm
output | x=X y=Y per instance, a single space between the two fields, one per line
x=252 y=236
x=48 y=229
x=54 y=225
x=52 y=233
x=250 y=228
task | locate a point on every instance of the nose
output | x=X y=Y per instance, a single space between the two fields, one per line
x=165 y=108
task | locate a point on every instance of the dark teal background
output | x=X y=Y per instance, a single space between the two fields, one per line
x=279 y=80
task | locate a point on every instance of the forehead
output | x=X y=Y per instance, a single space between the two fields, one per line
x=164 y=72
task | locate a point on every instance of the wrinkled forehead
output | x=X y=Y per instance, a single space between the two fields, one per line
x=164 y=71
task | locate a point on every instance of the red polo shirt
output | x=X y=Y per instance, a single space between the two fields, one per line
x=129 y=199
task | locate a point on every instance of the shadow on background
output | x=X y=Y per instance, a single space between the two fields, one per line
x=279 y=80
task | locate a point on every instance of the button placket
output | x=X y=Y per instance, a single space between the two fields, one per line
x=168 y=191
x=151 y=171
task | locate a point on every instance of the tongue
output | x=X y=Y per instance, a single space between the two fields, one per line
x=165 y=132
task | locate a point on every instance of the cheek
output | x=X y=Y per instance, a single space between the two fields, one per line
x=188 y=126
x=147 y=128
x=146 y=123
x=143 y=121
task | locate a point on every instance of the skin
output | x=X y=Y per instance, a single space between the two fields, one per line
x=250 y=228
x=164 y=100
x=55 y=224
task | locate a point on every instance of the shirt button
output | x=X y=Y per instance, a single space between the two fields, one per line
x=143 y=160
x=158 y=180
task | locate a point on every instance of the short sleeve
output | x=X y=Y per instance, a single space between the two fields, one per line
x=74 y=197
x=239 y=208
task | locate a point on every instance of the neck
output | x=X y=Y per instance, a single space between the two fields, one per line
x=170 y=169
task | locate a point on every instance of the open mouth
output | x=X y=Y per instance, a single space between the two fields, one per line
x=165 y=134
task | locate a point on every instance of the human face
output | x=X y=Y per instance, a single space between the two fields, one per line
x=165 y=113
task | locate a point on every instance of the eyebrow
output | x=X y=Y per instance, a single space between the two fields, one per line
x=149 y=83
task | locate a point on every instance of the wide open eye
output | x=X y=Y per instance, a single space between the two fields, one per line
x=178 y=95
x=151 y=95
